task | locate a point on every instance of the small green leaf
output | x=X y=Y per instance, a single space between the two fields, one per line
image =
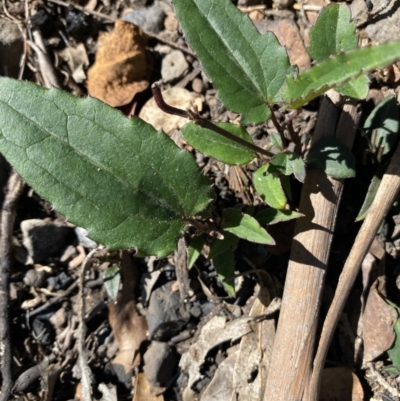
x=332 y=33
x=333 y=156
x=219 y=246
x=194 y=249
x=392 y=369
x=287 y=164
x=214 y=145
x=269 y=187
x=385 y=119
x=247 y=69
x=356 y=88
x=394 y=352
x=268 y=217
x=372 y=190
x=224 y=264
x=245 y=227
x=276 y=140
x=334 y=72
x=112 y=280
x=127 y=184
x=286 y=184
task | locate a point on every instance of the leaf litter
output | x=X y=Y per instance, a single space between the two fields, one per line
x=222 y=349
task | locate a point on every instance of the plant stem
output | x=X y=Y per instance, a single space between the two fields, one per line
x=202 y=122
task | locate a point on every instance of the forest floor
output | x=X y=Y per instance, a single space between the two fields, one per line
x=135 y=338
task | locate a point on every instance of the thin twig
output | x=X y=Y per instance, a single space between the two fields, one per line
x=46 y=66
x=15 y=187
x=202 y=122
x=83 y=363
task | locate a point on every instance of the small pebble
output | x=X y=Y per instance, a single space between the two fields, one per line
x=150 y=19
x=174 y=66
x=34 y=278
x=198 y=85
x=171 y=23
x=159 y=363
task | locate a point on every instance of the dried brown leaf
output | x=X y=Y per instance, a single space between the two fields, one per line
x=77 y=61
x=252 y=363
x=340 y=384
x=378 y=319
x=129 y=328
x=220 y=387
x=122 y=68
x=215 y=332
x=177 y=97
x=143 y=390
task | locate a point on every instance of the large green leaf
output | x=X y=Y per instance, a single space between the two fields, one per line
x=332 y=34
x=127 y=184
x=247 y=69
x=334 y=72
x=215 y=145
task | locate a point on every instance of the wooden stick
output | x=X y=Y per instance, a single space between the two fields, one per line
x=290 y=368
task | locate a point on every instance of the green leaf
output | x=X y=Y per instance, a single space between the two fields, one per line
x=356 y=88
x=245 y=227
x=333 y=156
x=220 y=246
x=247 y=69
x=332 y=34
x=372 y=190
x=334 y=72
x=287 y=164
x=268 y=217
x=394 y=352
x=286 y=184
x=194 y=249
x=214 y=145
x=276 y=140
x=385 y=119
x=127 y=184
x=112 y=280
x=224 y=264
x=392 y=369
x=269 y=187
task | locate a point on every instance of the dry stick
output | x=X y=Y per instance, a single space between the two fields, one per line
x=386 y=195
x=290 y=367
x=46 y=66
x=15 y=187
x=83 y=363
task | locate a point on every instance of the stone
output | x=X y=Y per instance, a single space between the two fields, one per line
x=43 y=239
x=159 y=364
x=166 y=314
x=149 y=19
x=174 y=66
